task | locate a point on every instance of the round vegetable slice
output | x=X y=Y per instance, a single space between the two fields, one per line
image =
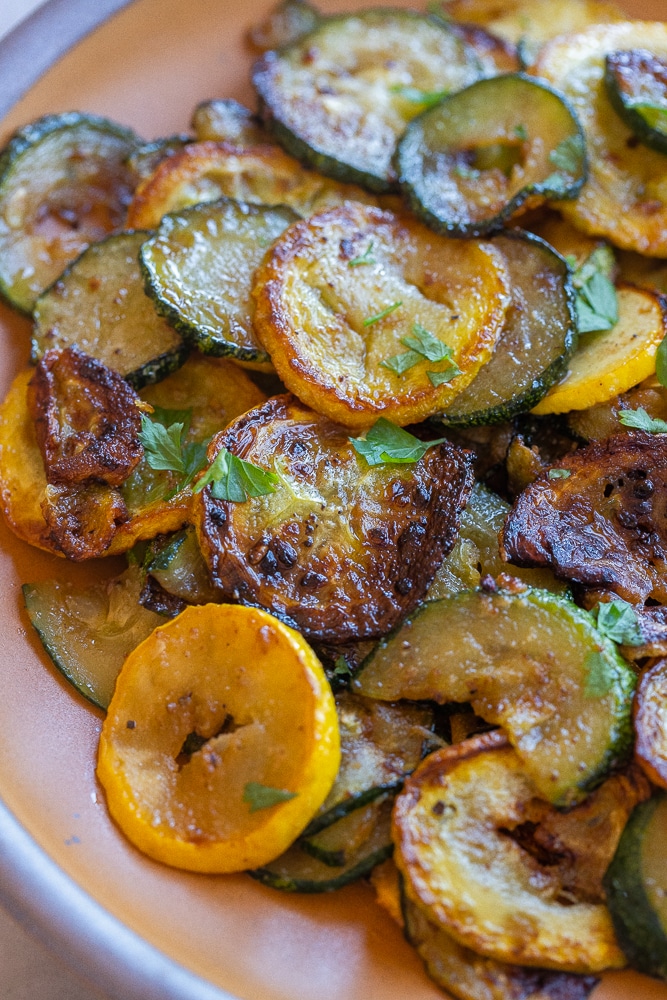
x=637 y=86
x=340 y=97
x=636 y=885
x=199 y=267
x=63 y=184
x=221 y=740
x=489 y=151
x=650 y=720
x=538 y=337
x=531 y=662
x=463 y=827
x=366 y=314
x=339 y=548
x=533 y=21
x=625 y=196
x=611 y=361
x=99 y=305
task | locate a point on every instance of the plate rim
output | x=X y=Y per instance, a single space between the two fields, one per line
x=37 y=893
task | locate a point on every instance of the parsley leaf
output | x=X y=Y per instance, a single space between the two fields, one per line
x=423 y=345
x=640 y=420
x=342 y=667
x=618 y=621
x=596 y=297
x=426 y=98
x=162 y=445
x=401 y=363
x=439 y=378
x=365 y=258
x=385 y=443
x=568 y=156
x=233 y=479
x=381 y=315
x=599 y=676
x=559 y=473
x=263 y=796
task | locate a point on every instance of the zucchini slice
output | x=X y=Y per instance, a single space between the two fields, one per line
x=144 y=160
x=298 y=871
x=531 y=662
x=650 y=715
x=340 y=97
x=366 y=314
x=226 y=120
x=538 y=338
x=625 y=196
x=637 y=86
x=179 y=568
x=99 y=305
x=486 y=153
x=64 y=184
x=206 y=171
x=285 y=24
x=199 y=266
x=88 y=631
x=470 y=842
x=636 y=885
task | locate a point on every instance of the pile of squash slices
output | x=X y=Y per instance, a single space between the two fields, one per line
x=368 y=388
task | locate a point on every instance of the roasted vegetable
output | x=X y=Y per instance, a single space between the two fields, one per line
x=341 y=549
x=366 y=314
x=650 y=718
x=601 y=521
x=637 y=86
x=227 y=121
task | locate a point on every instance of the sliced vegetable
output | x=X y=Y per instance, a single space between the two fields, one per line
x=464 y=826
x=63 y=185
x=199 y=267
x=226 y=120
x=615 y=359
x=533 y=21
x=650 y=719
x=99 y=305
x=397 y=336
x=179 y=568
x=341 y=549
x=206 y=171
x=530 y=662
x=340 y=97
x=285 y=24
x=637 y=86
x=537 y=340
x=146 y=158
x=221 y=740
x=89 y=631
x=624 y=198
x=636 y=887
x=486 y=153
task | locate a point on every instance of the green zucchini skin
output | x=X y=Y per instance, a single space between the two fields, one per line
x=539 y=336
x=634 y=78
x=357 y=145
x=36 y=181
x=457 y=649
x=99 y=305
x=198 y=269
x=640 y=927
x=436 y=167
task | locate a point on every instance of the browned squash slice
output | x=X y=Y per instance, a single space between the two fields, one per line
x=206 y=171
x=533 y=20
x=650 y=716
x=341 y=550
x=625 y=197
x=602 y=522
x=504 y=873
x=367 y=313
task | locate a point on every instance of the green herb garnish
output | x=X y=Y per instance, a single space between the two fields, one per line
x=568 y=156
x=559 y=473
x=386 y=443
x=342 y=667
x=423 y=346
x=596 y=297
x=425 y=98
x=232 y=478
x=365 y=258
x=521 y=132
x=381 y=315
x=640 y=420
x=164 y=448
x=619 y=622
x=263 y=797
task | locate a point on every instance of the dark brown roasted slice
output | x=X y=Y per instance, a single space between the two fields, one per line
x=87 y=420
x=503 y=872
x=206 y=171
x=367 y=313
x=341 y=550
x=637 y=87
x=650 y=718
x=601 y=521
x=82 y=520
x=496 y=55
x=340 y=97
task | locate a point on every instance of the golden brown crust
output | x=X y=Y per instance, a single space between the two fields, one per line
x=341 y=550
x=83 y=519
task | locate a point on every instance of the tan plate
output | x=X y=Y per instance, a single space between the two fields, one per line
x=138 y=930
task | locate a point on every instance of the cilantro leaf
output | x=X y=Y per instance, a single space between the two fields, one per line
x=640 y=420
x=162 y=445
x=233 y=479
x=618 y=621
x=568 y=156
x=263 y=796
x=381 y=315
x=386 y=443
x=365 y=258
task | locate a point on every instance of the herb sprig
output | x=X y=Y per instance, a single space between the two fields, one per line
x=385 y=443
x=423 y=346
x=596 y=296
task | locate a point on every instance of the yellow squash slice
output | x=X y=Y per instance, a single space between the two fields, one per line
x=369 y=314
x=612 y=361
x=534 y=20
x=221 y=741
x=625 y=197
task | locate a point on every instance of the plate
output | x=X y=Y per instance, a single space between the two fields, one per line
x=137 y=930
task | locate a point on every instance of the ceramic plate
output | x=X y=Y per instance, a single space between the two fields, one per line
x=136 y=929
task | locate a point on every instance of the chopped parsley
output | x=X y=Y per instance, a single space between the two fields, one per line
x=619 y=622
x=568 y=156
x=425 y=98
x=386 y=443
x=381 y=315
x=232 y=478
x=365 y=258
x=423 y=346
x=596 y=297
x=640 y=420
x=263 y=796
x=559 y=473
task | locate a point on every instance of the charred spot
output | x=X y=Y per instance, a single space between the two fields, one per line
x=285 y=553
x=378 y=535
x=404 y=586
x=269 y=563
x=313 y=581
x=217 y=517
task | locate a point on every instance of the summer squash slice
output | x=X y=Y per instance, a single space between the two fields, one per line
x=637 y=87
x=531 y=662
x=64 y=184
x=340 y=97
x=482 y=155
